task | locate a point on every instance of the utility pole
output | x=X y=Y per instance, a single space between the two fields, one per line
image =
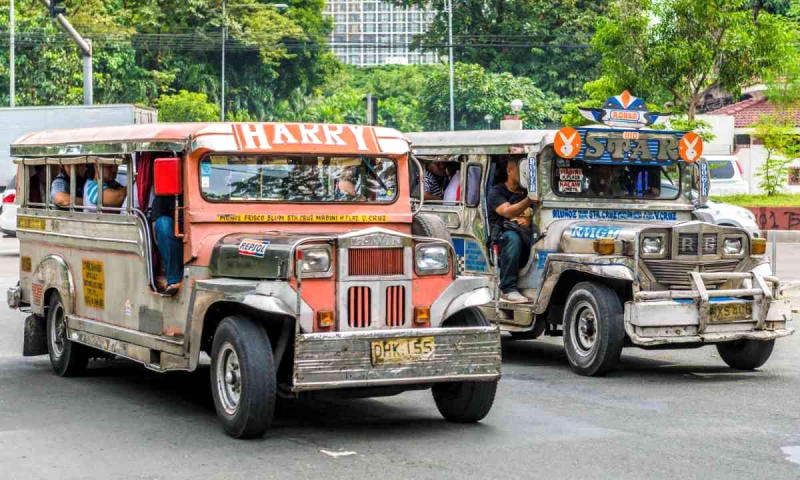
x=85 y=47
x=452 y=74
x=222 y=79
x=11 y=71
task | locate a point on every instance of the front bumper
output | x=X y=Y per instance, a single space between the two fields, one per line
x=344 y=360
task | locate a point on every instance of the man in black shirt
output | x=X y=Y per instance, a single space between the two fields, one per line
x=508 y=204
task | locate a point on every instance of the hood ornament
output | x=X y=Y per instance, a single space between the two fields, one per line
x=624 y=110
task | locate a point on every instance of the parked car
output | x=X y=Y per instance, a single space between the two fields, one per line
x=720 y=213
x=727 y=176
x=8 y=210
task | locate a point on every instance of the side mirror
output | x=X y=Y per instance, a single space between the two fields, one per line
x=167 y=176
x=528 y=176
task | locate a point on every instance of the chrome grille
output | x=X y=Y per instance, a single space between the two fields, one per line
x=675 y=273
x=359 y=311
x=368 y=262
x=709 y=243
x=687 y=244
x=395 y=306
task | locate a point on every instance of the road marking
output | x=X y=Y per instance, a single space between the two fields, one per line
x=792 y=453
x=344 y=453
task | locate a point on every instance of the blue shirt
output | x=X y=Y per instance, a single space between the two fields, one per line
x=90 y=192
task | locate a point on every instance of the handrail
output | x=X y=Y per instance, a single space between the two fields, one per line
x=421 y=185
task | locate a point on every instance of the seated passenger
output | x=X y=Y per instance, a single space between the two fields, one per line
x=602 y=181
x=453 y=191
x=113 y=193
x=435 y=181
x=170 y=248
x=59 y=187
x=510 y=220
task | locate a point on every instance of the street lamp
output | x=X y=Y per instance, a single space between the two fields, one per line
x=224 y=38
x=11 y=72
x=516 y=105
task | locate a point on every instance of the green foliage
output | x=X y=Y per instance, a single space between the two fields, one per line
x=776 y=200
x=147 y=48
x=782 y=144
x=544 y=41
x=677 y=50
x=187 y=107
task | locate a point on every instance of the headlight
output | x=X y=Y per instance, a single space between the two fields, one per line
x=732 y=246
x=652 y=245
x=316 y=260
x=432 y=260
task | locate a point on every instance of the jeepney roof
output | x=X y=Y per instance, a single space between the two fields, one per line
x=266 y=137
x=477 y=141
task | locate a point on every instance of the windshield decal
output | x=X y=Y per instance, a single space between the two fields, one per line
x=311 y=218
x=592 y=232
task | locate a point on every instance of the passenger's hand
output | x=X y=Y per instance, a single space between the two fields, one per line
x=523 y=221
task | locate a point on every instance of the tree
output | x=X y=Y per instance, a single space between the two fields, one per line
x=777 y=132
x=543 y=40
x=187 y=107
x=678 y=50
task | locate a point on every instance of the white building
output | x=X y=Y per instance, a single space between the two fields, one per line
x=369 y=32
x=733 y=127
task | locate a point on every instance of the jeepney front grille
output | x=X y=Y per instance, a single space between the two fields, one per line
x=373 y=262
x=395 y=306
x=359 y=307
x=675 y=273
x=690 y=244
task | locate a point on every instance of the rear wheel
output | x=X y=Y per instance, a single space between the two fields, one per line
x=593 y=329
x=66 y=357
x=746 y=354
x=465 y=402
x=243 y=380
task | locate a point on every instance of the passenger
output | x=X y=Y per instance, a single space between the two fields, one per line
x=113 y=193
x=602 y=181
x=59 y=187
x=435 y=181
x=170 y=248
x=511 y=228
x=453 y=191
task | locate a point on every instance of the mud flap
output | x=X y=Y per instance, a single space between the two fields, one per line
x=35 y=336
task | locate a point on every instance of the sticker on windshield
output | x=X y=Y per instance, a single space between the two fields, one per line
x=569 y=186
x=570 y=174
x=253 y=248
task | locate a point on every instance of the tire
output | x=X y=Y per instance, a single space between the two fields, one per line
x=243 y=380
x=427 y=225
x=67 y=358
x=593 y=329
x=746 y=354
x=465 y=402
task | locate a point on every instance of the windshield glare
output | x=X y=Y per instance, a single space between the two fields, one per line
x=308 y=178
x=576 y=178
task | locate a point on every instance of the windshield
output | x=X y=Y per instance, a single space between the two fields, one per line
x=721 y=170
x=576 y=178
x=308 y=178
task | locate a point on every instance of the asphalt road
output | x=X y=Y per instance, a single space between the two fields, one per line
x=666 y=414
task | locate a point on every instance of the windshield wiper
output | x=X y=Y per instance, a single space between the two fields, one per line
x=373 y=172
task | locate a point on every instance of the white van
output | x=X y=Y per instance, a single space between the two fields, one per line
x=727 y=176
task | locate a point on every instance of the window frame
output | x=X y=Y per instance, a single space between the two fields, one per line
x=560 y=195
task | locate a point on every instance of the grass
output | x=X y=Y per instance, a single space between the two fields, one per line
x=778 y=200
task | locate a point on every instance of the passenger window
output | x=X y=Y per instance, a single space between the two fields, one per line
x=473 y=187
x=37 y=186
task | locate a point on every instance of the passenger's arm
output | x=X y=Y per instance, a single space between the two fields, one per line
x=113 y=197
x=513 y=210
x=430 y=196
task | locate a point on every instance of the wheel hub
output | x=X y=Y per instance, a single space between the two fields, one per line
x=584 y=328
x=229 y=380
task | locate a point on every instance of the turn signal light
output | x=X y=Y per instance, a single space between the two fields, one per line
x=758 y=246
x=422 y=316
x=325 y=320
x=604 y=246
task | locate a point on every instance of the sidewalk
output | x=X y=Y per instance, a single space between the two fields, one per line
x=9 y=246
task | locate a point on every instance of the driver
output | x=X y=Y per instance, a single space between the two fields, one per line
x=602 y=181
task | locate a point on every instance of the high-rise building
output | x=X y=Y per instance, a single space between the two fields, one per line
x=370 y=32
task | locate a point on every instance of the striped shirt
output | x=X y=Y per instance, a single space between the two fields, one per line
x=434 y=184
x=90 y=192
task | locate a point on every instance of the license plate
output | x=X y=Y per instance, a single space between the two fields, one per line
x=731 y=312
x=402 y=350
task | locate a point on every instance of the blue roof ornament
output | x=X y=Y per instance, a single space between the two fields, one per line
x=624 y=110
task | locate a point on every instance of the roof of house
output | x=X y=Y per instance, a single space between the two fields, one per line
x=747 y=112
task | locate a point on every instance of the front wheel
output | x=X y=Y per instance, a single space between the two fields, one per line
x=66 y=357
x=243 y=380
x=593 y=329
x=746 y=354
x=465 y=402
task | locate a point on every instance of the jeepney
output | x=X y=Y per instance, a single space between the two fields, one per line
x=624 y=256
x=305 y=268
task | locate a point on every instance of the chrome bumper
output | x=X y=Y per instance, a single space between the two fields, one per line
x=344 y=360
x=684 y=316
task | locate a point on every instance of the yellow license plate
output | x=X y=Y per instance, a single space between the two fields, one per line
x=731 y=312
x=402 y=350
